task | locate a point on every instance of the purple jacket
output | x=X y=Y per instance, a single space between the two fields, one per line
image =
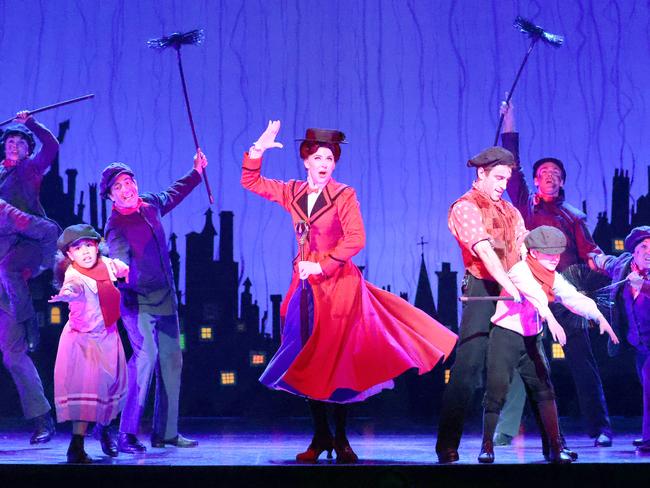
x=21 y=185
x=558 y=213
x=139 y=240
x=629 y=317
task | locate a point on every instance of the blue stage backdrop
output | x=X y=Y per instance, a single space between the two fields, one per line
x=414 y=84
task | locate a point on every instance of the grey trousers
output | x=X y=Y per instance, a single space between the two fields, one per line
x=155 y=340
x=13 y=345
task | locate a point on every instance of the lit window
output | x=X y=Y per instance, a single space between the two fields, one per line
x=619 y=245
x=557 y=351
x=55 y=315
x=206 y=333
x=257 y=358
x=241 y=327
x=181 y=341
x=447 y=375
x=228 y=378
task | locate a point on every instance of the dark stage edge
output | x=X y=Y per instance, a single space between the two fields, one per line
x=236 y=452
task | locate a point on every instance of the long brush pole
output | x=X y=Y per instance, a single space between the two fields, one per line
x=189 y=114
x=512 y=88
x=50 y=107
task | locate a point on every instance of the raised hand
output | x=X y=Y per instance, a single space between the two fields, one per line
x=200 y=162
x=22 y=116
x=507 y=110
x=267 y=139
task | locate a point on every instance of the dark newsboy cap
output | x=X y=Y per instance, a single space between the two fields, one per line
x=492 y=156
x=74 y=233
x=328 y=136
x=546 y=239
x=110 y=174
x=635 y=237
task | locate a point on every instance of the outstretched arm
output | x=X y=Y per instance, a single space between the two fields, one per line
x=581 y=305
x=167 y=200
x=70 y=291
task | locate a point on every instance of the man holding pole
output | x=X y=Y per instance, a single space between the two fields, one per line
x=547 y=206
x=27 y=246
x=135 y=235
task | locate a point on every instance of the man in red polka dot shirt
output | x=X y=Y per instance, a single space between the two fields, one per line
x=490 y=232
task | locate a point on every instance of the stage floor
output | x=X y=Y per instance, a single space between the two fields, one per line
x=237 y=452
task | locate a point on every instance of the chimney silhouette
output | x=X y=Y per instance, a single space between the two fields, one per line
x=226 y=237
x=620 y=203
x=92 y=196
x=448 y=297
x=72 y=188
x=276 y=301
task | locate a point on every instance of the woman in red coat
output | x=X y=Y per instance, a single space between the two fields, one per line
x=355 y=338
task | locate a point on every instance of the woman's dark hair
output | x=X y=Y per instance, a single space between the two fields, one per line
x=307 y=148
x=62 y=262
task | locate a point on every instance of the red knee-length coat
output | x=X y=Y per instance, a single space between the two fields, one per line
x=362 y=336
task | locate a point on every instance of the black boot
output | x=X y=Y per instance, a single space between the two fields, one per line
x=322 y=439
x=545 y=442
x=344 y=453
x=490 y=420
x=43 y=429
x=106 y=440
x=76 y=453
x=553 y=447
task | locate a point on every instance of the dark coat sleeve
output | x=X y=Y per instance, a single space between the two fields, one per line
x=517 y=188
x=50 y=146
x=167 y=200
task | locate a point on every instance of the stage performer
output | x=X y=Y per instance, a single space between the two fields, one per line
x=343 y=339
x=90 y=367
x=547 y=206
x=135 y=235
x=630 y=316
x=515 y=343
x=490 y=232
x=25 y=251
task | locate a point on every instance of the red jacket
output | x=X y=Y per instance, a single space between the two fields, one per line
x=362 y=336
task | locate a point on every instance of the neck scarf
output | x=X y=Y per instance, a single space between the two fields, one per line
x=643 y=273
x=543 y=276
x=109 y=296
x=130 y=210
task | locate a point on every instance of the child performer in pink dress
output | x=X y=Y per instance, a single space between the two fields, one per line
x=90 y=369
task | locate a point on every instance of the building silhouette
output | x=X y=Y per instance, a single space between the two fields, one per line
x=610 y=234
x=226 y=348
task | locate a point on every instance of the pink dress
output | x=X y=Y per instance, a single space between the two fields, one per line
x=90 y=369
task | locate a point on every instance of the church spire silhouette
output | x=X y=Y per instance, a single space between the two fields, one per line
x=423 y=295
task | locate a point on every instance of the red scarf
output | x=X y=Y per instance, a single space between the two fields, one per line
x=543 y=276
x=109 y=296
x=643 y=273
x=129 y=210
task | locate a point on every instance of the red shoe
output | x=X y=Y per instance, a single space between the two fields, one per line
x=315 y=449
x=344 y=453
